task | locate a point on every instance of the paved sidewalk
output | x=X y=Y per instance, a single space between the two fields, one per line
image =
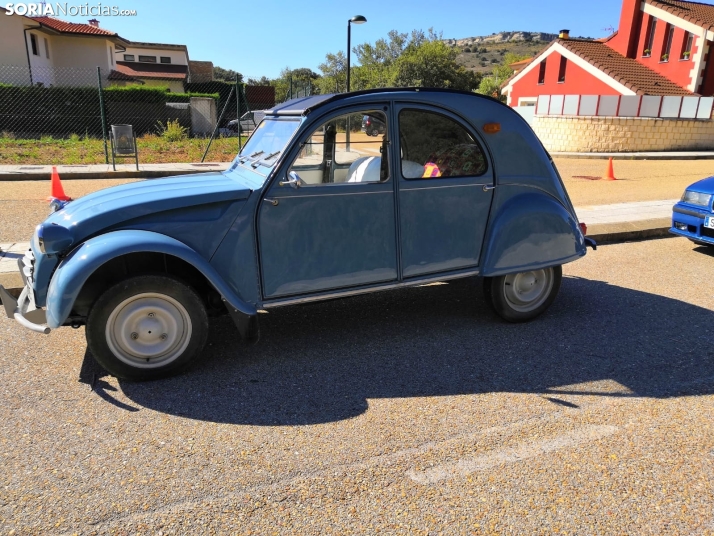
x=104 y=171
x=606 y=224
x=626 y=212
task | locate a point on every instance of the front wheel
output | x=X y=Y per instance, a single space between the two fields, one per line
x=524 y=296
x=147 y=327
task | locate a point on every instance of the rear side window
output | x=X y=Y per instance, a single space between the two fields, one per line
x=436 y=146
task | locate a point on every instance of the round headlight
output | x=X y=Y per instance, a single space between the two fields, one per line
x=53 y=238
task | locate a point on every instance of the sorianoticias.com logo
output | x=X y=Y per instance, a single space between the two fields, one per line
x=45 y=9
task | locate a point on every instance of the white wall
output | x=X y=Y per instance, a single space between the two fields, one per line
x=84 y=54
x=42 y=66
x=178 y=57
x=12 y=50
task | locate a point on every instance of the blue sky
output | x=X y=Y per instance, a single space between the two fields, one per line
x=261 y=37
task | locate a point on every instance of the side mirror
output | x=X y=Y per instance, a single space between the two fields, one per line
x=294 y=180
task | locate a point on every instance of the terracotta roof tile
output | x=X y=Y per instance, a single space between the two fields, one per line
x=152 y=70
x=116 y=75
x=71 y=27
x=627 y=71
x=696 y=12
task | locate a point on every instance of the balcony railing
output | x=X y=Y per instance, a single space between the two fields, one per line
x=666 y=107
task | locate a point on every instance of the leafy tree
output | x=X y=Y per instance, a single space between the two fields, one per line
x=227 y=75
x=334 y=71
x=375 y=64
x=294 y=82
x=262 y=81
x=433 y=64
x=491 y=85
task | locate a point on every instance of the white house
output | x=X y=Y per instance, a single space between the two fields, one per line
x=152 y=64
x=49 y=51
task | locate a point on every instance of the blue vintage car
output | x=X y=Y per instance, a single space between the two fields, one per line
x=457 y=185
x=693 y=216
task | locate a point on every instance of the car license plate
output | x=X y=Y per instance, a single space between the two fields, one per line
x=709 y=222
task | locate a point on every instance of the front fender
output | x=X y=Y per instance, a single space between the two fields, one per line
x=528 y=232
x=82 y=262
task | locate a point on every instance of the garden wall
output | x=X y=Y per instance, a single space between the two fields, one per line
x=592 y=134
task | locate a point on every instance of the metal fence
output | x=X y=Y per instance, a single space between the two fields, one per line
x=62 y=116
x=650 y=106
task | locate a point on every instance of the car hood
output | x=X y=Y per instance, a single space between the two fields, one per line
x=107 y=208
x=705 y=186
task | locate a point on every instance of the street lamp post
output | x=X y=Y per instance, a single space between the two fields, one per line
x=357 y=19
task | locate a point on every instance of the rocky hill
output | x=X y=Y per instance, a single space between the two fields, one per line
x=503 y=37
x=481 y=53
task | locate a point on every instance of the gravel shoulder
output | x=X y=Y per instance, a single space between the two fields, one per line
x=24 y=204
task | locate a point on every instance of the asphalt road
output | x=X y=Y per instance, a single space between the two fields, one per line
x=411 y=412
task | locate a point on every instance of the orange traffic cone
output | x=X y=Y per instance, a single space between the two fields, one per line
x=610 y=173
x=56 y=191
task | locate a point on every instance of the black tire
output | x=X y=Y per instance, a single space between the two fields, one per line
x=522 y=297
x=124 y=324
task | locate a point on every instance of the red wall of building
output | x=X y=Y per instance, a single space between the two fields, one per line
x=625 y=42
x=676 y=69
x=707 y=88
x=577 y=82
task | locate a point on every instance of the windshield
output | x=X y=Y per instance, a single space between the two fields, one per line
x=268 y=141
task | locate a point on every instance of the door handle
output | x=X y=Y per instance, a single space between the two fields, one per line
x=273 y=202
x=488 y=187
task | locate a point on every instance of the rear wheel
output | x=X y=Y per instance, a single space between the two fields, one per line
x=147 y=327
x=523 y=296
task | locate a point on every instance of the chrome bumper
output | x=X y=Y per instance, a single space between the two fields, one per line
x=23 y=309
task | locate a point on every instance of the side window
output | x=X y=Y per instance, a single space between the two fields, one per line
x=350 y=148
x=433 y=145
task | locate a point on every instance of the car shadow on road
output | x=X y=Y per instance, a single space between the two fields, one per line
x=706 y=250
x=322 y=362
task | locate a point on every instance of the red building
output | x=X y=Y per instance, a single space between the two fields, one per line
x=662 y=47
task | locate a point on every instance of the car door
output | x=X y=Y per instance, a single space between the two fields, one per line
x=445 y=186
x=327 y=222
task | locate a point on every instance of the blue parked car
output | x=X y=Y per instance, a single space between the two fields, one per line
x=693 y=216
x=457 y=185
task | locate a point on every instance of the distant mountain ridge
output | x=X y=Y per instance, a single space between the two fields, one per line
x=503 y=37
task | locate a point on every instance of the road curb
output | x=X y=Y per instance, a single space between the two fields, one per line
x=14 y=286
x=635 y=156
x=618 y=237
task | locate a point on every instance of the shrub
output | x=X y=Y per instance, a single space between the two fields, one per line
x=135 y=94
x=150 y=94
x=173 y=131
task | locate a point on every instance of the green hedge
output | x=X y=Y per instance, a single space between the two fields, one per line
x=33 y=111
x=149 y=94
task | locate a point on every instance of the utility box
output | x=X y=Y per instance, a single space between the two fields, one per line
x=203 y=116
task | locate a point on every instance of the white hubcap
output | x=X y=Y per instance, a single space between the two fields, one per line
x=527 y=291
x=148 y=330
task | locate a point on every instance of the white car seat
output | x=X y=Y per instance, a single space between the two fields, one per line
x=365 y=169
